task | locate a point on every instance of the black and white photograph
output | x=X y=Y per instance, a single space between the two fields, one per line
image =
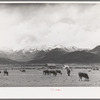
x=50 y=45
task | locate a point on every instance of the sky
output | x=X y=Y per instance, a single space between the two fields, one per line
x=46 y=25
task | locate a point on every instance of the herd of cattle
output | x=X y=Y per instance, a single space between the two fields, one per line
x=55 y=72
x=6 y=73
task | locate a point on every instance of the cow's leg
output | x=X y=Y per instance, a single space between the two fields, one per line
x=68 y=73
x=79 y=78
x=55 y=74
x=47 y=73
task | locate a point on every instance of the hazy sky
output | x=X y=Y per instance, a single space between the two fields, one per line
x=47 y=25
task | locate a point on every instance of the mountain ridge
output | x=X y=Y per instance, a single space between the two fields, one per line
x=55 y=55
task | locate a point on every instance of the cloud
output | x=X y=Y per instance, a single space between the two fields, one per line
x=39 y=25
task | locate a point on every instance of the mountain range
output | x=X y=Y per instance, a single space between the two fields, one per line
x=54 y=55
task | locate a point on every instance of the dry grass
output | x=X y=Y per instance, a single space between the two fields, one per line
x=35 y=78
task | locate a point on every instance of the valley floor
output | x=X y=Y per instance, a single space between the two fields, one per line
x=35 y=78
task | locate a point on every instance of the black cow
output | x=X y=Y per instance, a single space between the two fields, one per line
x=53 y=72
x=59 y=71
x=5 y=72
x=46 y=72
x=23 y=70
x=83 y=75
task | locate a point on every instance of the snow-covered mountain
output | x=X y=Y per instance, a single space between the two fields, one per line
x=56 y=54
x=24 y=55
x=31 y=53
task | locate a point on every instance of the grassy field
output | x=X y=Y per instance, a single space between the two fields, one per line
x=35 y=78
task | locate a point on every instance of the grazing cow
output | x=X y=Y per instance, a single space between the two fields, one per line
x=5 y=72
x=89 y=70
x=53 y=72
x=46 y=72
x=23 y=70
x=83 y=75
x=59 y=71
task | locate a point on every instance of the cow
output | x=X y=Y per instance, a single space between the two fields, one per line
x=5 y=72
x=46 y=72
x=53 y=72
x=23 y=70
x=59 y=71
x=89 y=70
x=83 y=75
x=49 y=72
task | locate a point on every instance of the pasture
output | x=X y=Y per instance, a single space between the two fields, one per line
x=36 y=78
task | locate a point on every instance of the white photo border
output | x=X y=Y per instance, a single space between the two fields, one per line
x=49 y=92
